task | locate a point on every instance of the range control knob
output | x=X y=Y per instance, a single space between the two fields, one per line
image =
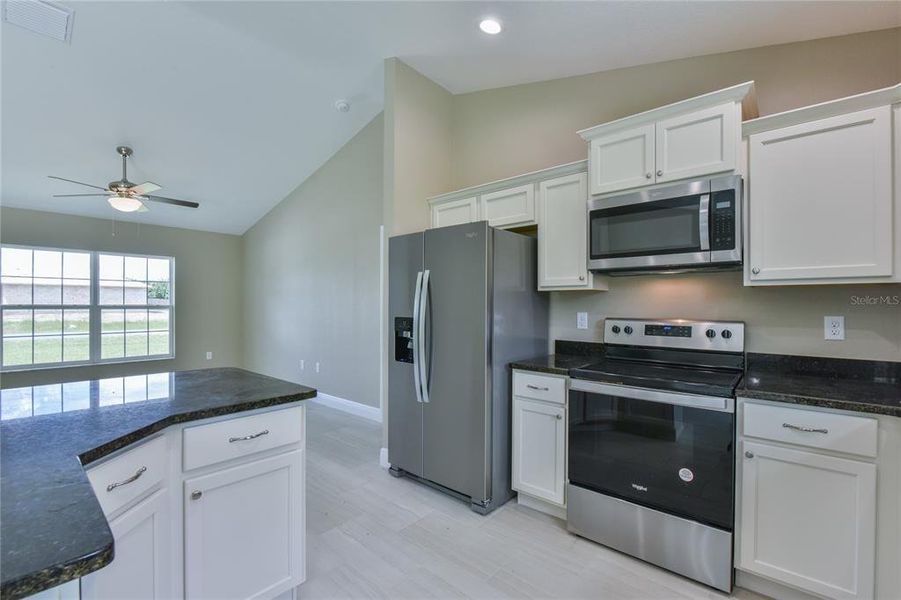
x=628 y=330
x=710 y=333
x=615 y=329
x=726 y=334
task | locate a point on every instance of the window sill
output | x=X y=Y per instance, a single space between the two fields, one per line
x=114 y=361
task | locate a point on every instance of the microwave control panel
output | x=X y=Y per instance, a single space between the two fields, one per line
x=722 y=220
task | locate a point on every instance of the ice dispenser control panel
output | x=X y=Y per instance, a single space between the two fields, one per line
x=403 y=339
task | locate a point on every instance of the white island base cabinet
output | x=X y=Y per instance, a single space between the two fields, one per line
x=209 y=510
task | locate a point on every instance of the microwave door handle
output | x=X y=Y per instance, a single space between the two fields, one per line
x=417 y=317
x=704 y=221
x=423 y=317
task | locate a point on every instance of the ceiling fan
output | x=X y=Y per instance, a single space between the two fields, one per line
x=124 y=195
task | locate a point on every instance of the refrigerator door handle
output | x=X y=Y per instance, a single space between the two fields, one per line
x=417 y=357
x=420 y=336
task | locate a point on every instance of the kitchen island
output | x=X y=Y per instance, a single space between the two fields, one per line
x=56 y=526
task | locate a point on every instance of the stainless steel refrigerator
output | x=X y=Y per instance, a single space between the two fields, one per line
x=463 y=303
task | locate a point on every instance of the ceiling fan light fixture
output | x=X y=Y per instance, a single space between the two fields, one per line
x=125 y=203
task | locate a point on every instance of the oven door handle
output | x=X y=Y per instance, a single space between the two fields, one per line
x=704 y=221
x=660 y=396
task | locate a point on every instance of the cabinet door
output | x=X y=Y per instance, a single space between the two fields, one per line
x=514 y=207
x=622 y=160
x=562 y=236
x=808 y=520
x=455 y=212
x=698 y=143
x=244 y=530
x=539 y=449
x=140 y=568
x=821 y=199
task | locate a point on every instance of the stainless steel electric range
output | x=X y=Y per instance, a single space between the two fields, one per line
x=651 y=444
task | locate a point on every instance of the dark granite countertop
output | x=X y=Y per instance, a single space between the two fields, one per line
x=859 y=385
x=567 y=355
x=51 y=524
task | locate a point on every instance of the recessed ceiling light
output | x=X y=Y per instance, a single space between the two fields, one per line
x=490 y=26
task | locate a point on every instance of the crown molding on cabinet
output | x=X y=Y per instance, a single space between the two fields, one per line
x=579 y=166
x=744 y=93
x=831 y=108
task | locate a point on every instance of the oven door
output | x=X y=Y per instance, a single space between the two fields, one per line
x=668 y=451
x=651 y=229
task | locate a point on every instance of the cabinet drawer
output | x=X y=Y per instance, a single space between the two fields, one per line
x=128 y=476
x=241 y=436
x=540 y=387
x=815 y=429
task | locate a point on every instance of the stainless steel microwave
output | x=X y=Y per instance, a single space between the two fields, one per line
x=684 y=226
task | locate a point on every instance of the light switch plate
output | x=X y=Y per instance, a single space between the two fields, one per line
x=834 y=328
x=582 y=320
x=209 y=356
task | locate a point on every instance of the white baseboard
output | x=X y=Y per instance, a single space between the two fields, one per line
x=539 y=504
x=383 y=459
x=373 y=413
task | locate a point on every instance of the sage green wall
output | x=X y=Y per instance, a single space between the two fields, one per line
x=507 y=131
x=311 y=277
x=207 y=287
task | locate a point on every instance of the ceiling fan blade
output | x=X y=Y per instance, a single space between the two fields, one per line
x=174 y=201
x=143 y=208
x=144 y=188
x=97 y=187
x=74 y=195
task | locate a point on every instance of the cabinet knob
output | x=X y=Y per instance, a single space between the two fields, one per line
x=196 y=494
x=559 y=417
x=647 y=175
x=755 y=270
x=581 y=278
x=660 y=173
x=749 y=454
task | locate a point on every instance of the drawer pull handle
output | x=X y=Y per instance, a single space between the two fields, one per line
x=134 y=477
x=804 y=429
x=248 y=437
x=537 y=387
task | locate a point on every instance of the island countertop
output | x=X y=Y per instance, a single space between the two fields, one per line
x=51 y=524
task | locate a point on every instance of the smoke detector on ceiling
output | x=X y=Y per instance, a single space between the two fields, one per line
x=41 y=17
x=342 y=106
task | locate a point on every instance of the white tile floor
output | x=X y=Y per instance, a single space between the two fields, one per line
x=370 y=535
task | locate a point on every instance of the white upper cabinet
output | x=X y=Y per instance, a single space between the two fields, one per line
x=821 y=203
x=692 y=138
x=622 y=160
x=698 y=143
x=513 y=207
x=455 y=212
x=563 y=235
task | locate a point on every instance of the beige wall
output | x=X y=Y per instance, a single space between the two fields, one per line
x=311 y=277
x=207 y=287
x=417 y=148
x=504 y=132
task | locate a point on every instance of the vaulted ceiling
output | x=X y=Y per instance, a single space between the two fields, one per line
x=232 y=103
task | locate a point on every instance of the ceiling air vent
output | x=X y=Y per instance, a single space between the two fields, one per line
x=40 y=17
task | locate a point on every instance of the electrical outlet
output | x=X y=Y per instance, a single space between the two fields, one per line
x=301 y=364
x=834 y=328
x=209 y=356
x=582 y=320
x=317 y=366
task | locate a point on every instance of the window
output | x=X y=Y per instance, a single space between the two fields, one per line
x=71 y=307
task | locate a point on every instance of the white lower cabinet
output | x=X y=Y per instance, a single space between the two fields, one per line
x=220 y=515
x=539 y=429
x=808 y=520
x=140 y=569
x=244 y=529
x=539 y=440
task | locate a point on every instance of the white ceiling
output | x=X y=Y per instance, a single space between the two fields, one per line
x=231 y=103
